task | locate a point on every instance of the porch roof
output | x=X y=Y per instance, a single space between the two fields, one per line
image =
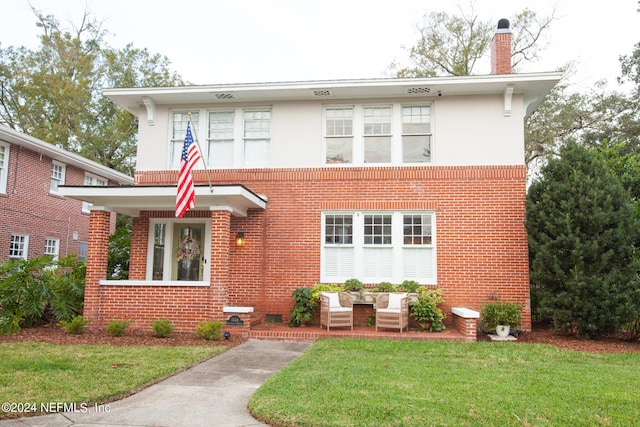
x=130 y=200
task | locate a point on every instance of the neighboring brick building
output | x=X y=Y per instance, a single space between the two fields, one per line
x=381 y=180
x=36 y=218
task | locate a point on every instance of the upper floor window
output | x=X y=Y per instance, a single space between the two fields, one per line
x=178 y=134
x=339 y=135
x=257 y=130
x=57 y=175
x=19 y=246
x=93 y=181
x=4 y=166
x=416 y=134
x=377 y=134
x=221 y=126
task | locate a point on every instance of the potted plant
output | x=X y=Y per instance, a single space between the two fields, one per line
x=501 y=316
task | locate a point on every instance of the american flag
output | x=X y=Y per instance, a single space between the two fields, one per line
x=185 y=199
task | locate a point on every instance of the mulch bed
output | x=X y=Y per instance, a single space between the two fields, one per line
x=57 y=335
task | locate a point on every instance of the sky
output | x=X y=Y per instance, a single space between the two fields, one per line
x=250 y=41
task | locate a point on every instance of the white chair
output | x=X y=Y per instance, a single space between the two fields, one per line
x=392 y=311
x=336 y=310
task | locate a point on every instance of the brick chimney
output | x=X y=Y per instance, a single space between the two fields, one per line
x=501 y=49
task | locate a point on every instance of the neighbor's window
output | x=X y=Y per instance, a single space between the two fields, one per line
x=83 y=250
x=52 y=247
x=221 y=124
x=416 y=134
x=257 y=134
x=377 y=134
x=339 y=135
x=93 y=181
x=19 y=246
x=4 y=166
x=57 y=175
x=178 y=134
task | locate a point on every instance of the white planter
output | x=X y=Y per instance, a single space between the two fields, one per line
x=503 y=330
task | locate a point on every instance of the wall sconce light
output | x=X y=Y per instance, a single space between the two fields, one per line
x=240 y=239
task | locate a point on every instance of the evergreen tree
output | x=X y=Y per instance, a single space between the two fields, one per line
x=583 y=227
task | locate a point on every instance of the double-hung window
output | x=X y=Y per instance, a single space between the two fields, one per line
x=57 y=176
x=221 y=125
x=416 y=134
x=364 y=134
x=339 y=135
x=93 y=181
x=389 y=246
x=19 y=246
x=257 y=135
x=178 y=134
x=377 y=134
x=52 y=247
x=4 y=166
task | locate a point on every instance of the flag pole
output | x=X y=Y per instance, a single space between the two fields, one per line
x=204 y=162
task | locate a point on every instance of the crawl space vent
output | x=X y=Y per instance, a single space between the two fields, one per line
x=418 y=90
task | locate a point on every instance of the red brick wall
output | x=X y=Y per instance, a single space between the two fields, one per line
x=28 y=207
x=481 y=240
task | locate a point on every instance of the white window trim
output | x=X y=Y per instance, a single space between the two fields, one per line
x=4 y=171
x=396 y=247
x=86 y=205
x=62 y=178
x=238 y=136
x=168 y=255
x=25 y=251
x=359 y=137
x=56 y=254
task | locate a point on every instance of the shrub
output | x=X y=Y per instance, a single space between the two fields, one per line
x=426 y=312
x=40 y=290
x=353 y=285
x=211 y=331
x=162 y=328
x=116 y=328
x=323 y=287
x=302 y=311
x=384 y=287
x=498 y=312
x=75 y=326
x=410 y=286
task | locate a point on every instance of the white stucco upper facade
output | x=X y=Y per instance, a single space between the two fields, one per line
x=474 y=120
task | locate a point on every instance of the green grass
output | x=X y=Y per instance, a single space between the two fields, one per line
x=41 y=373
x=403 y=383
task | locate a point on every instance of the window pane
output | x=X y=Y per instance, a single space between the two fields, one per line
x=416 y=120
x=221 y=153
x=377 y=229
x=187 y=252
x=417 y=230
x=221 y=125
x=257 y=124
x=339 y=122
x=180 y=121
x=256 y=152
x=416 y=149
x=158 y=251
x=377 y=121
x=17 y=246
x=339 y=150
x=377 y=149
x=338 y=230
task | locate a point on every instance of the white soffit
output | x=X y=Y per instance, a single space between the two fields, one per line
x=131 y=200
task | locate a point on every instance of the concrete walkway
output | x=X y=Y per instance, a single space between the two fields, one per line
x=213 y=393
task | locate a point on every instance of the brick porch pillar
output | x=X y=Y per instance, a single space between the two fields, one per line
x=220 y=261
x=97 y=257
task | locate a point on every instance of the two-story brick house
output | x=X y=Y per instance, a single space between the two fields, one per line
x=380 y=180
x=36 y=218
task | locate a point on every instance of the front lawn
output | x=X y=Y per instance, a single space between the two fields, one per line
x=36 y=373
x=349 y=382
